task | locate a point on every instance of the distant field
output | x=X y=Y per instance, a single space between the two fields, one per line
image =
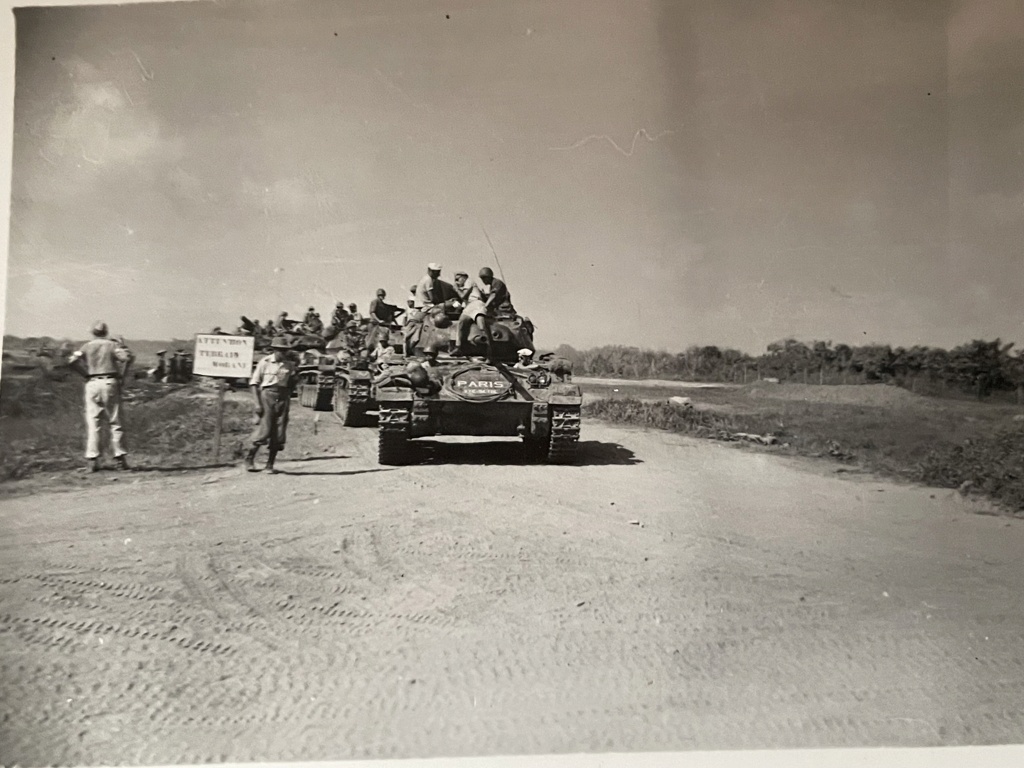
x=879 y=428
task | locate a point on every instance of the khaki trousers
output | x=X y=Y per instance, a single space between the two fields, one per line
x=103 y=399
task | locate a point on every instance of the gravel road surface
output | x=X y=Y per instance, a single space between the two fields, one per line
x=666 y=594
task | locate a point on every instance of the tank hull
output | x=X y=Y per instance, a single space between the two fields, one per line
x=546 y=416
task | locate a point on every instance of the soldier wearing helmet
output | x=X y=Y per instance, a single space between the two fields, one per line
x=103 y=362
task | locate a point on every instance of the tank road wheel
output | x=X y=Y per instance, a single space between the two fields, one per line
x=393 y=436
x=565 y=434
x=351 y=410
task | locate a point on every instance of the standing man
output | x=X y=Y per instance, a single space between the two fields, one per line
x=103 y=362
x=159 y=372
x=382 y=318
x=271 y=387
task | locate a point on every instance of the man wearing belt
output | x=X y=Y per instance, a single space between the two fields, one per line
x=271 y=386
x=100 y=360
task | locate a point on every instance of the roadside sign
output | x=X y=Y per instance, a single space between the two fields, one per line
x=225 y=357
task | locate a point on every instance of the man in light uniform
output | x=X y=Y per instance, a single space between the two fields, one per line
x=100 y=360
x=525 y=361
x=271 y=387
x=461 y=288
x=484 y=300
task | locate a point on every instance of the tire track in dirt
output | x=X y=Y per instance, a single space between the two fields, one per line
x=530 y=618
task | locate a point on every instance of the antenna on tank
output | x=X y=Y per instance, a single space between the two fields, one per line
x=493 y=252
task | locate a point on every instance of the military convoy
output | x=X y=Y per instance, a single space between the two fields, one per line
x=423 y=388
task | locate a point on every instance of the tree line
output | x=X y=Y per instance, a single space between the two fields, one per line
x=980 y=368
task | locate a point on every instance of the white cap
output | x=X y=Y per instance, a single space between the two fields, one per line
x=525 y=353
x=434 y=266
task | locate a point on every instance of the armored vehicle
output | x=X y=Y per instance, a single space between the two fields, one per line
x=484 y=392
x=316 y=375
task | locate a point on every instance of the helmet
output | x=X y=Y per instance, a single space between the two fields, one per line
x=486 y=272
x=99 y=329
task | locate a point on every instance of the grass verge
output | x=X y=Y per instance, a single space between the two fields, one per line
x=42 y=426
x=937 y=443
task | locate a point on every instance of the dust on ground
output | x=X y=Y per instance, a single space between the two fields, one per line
x=665 y=594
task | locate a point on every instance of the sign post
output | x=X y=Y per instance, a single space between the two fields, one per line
x=223 y=357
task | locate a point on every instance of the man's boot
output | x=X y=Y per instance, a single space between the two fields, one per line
x=122 y=462
x=94 y=465
x=250 y=458
x=270 y=462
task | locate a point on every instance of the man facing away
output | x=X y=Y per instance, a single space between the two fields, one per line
x=100 y=360
x=271 y=387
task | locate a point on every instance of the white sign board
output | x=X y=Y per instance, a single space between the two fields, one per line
x=227 y=357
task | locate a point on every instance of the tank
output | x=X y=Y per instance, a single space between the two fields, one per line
x=477 y=394
x=351 y=399
x=316 y=375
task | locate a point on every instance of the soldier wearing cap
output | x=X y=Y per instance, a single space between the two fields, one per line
x=432 y=290
x=103 y=362
x=525 y=361
x=271 y=386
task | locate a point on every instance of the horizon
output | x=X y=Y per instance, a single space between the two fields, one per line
x=655 y=175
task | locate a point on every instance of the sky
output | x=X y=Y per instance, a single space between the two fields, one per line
x=657 y=173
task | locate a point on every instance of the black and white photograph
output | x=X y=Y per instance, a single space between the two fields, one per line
x=436 y=379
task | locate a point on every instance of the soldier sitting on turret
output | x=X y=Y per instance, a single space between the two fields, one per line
x=463 y=288
x=383 y=351
x=339 y=318
x=485 y=299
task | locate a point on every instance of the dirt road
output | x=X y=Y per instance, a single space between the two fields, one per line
x=476 y=605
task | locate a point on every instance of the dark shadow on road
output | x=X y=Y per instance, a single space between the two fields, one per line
x=333 y=474
x=190 y=468
x=595 y=453
x=591 y=453
x=319 y=458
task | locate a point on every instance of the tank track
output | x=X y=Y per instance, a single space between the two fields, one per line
x=393 y=436
x=563 y=444
x=352 y=405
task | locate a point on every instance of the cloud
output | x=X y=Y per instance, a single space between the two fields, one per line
x=41 y=300
x=291 y=195
x=102 y=124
